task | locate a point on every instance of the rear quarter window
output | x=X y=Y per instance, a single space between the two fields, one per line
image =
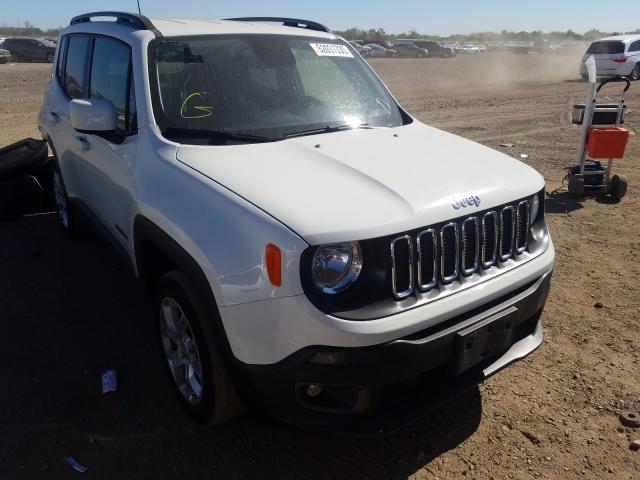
x=606 y=47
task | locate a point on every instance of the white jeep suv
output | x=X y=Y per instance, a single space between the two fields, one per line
x=311 y=248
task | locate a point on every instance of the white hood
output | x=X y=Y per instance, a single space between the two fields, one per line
x=360 y=184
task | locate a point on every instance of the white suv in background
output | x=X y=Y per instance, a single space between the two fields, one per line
x=615 y=56
x=310 y=247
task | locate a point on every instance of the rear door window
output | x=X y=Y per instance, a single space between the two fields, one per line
x=75 y=73
x=609 y=47
x=635 y=46
x=111 y=79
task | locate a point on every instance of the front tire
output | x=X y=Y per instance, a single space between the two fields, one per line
x=50 y=57
x=195 y=366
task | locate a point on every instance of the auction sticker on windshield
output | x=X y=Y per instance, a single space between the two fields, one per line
x=331 y=50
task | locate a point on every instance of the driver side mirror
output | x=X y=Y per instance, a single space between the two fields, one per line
x=95 y=117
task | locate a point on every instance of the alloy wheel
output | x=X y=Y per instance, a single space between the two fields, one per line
x=62 y=207
x=181 y=350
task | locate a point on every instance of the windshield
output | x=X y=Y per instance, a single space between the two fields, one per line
x=263 y=86
x=608 y=47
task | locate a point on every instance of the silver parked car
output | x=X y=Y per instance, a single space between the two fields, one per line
x=380 y=51
x=362 y=50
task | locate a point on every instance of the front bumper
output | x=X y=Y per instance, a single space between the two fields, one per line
x=382 y=387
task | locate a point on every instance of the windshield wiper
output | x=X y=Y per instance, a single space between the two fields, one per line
x=219 y=134
x=327 y=129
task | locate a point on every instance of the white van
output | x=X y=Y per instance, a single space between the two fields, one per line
x=615 y=56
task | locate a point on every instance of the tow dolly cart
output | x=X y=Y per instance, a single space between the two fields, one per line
x=606 y=141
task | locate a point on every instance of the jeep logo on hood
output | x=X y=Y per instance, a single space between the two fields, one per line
x=465 y=202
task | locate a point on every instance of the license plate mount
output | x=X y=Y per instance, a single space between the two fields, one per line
x=484 y=339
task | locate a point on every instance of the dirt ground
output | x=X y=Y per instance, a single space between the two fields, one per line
x=69 y=311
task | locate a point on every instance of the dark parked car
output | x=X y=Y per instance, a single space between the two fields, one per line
x=435 y=49
x=410 y=50
x=25 y=49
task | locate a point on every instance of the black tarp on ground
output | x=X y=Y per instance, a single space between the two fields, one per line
x=25 y=178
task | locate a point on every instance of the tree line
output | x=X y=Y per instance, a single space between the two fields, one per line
x=482 y=37
x=28 y=30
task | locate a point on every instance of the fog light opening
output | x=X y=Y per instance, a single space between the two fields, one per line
x=334 y=398
x=314 y=390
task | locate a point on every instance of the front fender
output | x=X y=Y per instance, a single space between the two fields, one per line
x=223 y=233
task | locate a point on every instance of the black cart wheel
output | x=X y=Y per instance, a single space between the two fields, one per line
x=576 y=186
x=618 y=186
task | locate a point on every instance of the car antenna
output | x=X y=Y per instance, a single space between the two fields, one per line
x=139 y=11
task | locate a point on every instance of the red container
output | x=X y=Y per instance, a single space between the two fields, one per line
x=607 y=142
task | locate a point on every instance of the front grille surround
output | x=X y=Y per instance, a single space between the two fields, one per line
x=427 y=239
x=490 y=237
x=449 y=273
x=523 y=221
x=400 y=294
x=461 y=249
x=470 y=234
x=507 y=232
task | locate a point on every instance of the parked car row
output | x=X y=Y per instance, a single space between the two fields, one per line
x=28 y=49
x=404 y=48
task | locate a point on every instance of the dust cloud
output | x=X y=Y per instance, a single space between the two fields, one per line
x=490 y=71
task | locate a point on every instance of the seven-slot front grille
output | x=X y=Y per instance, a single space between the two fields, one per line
x=461 y=248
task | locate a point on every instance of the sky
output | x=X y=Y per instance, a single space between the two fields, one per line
x=441 y=17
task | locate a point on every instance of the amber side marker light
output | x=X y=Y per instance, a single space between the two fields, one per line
x=273 y=258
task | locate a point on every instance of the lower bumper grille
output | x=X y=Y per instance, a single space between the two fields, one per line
x=461 y=248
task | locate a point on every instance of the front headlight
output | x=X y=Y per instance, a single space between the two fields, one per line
x=335 y=267
x=534 y=205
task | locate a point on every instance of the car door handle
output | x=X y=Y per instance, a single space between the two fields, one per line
x=53 y=117
x=83 y=143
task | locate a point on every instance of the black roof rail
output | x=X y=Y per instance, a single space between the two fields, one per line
x=133 y=20
x=287 y=22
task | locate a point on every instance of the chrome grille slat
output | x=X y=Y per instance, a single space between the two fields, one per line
x=433 y=241
x=522 y=226
x=394 y=268
x=507 y=233
x=475 y=237
x=444 y=246
x=489 y=261
x=477 y=244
